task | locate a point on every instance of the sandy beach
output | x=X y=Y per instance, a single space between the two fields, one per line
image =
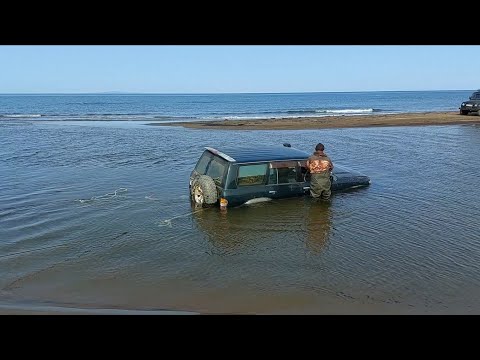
x=407 y=119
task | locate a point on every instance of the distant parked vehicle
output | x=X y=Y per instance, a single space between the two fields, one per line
x=472 y=105
x=244 y=175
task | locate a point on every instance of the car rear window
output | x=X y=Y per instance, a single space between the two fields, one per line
x=216 y=169
x=202 y=163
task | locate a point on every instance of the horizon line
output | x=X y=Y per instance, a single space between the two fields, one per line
x=214 y=93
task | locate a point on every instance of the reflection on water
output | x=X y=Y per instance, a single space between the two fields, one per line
x=319 y=222
x=232 y=230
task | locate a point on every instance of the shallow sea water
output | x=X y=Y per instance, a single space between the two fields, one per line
x=409 y=243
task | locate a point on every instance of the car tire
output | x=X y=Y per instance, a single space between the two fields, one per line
x=464 y=112
x=204 y=191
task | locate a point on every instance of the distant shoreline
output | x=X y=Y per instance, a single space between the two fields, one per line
x=334 y=122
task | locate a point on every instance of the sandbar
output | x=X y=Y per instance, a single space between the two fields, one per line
x=326 y=122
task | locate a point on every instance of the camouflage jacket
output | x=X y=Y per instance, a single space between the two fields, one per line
x=319 y=163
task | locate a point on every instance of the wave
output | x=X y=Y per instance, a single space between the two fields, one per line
x=297 y=114
x=347 y=111
x=174 y=117
x=97 y=103
x=15 y=116
x=334 y=111
x=297 y=111
x=237 y=115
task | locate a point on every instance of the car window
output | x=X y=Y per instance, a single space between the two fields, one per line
x=216 y=169
x=252 y=174
x=273 y=177
x=285 y=172
x=203 y=162
x=287 y=175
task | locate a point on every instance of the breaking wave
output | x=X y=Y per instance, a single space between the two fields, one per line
x=347 y=111
x=237 y=115
x=15 y=116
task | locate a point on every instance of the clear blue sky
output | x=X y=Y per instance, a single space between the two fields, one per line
x=218 y=69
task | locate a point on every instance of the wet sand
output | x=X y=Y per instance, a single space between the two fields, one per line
x=300 y=123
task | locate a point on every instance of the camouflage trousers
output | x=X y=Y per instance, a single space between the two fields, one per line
x=320 y=185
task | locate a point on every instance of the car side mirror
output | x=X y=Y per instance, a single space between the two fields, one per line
x=470 y=98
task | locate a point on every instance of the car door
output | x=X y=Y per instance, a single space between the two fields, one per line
x=285 y=180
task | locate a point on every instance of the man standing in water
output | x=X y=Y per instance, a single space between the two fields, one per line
x=320 y=167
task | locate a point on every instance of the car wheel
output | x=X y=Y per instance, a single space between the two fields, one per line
x=204 y=191
x=464 y=112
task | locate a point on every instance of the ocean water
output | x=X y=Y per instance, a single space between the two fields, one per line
x=191 y=107
x=95 y=217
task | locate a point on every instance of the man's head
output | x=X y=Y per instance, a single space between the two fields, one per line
x=319 y=147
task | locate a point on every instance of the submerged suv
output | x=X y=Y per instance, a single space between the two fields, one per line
x=472 y=105
x=245 y=175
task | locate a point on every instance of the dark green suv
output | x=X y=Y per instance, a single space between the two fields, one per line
x=245 y=175
x=472 y=105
